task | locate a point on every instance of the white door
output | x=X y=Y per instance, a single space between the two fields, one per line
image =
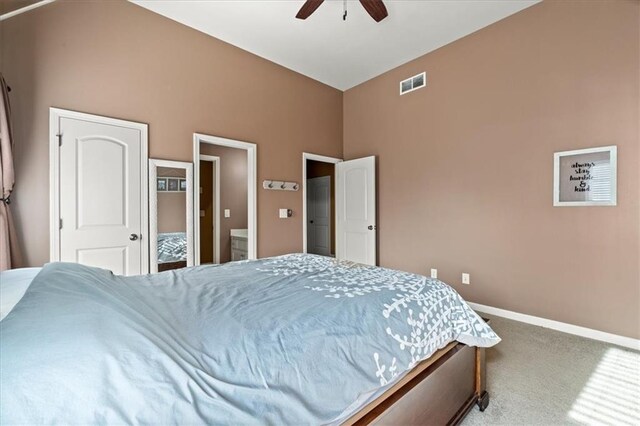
x=356 y=210
x=101 y=195
x=319 y=215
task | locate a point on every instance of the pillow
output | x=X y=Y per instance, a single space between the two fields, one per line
x=13 y=284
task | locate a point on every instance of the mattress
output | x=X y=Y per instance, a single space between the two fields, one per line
x=13 y=285
x=296 y=339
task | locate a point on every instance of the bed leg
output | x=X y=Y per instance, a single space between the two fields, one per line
x=481 y=382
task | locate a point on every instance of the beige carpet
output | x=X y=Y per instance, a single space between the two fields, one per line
x=538 y=376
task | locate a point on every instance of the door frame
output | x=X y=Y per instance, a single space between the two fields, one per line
x=216 y=213
x=252 y=174
x=153 y=206
x=323 y=159
x=55 y=114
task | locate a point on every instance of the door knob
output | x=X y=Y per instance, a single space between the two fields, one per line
x=310 y=221
x=371 y=227
x=133 y=237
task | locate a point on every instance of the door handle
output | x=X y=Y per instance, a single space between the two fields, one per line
x=372 y=227
x=133 y=237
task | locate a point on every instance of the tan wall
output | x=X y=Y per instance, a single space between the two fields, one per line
x=233 y=192
x=172 y=212
x=116 y=59
x=172 y=206
x=466 y=164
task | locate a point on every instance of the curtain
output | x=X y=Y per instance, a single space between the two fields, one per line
x=9 y=252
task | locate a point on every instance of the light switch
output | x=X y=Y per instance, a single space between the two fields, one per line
x=434 y=273
x=227 y=212
x=285 y=213
x=466 y=279
x=201 y=213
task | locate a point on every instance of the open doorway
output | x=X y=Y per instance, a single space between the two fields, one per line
x=319 y=198
x=209 y=208
x=225 y=199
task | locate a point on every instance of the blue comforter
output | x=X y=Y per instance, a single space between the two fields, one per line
x=296 y=339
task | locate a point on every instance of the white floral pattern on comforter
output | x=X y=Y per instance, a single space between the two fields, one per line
x=296 y=339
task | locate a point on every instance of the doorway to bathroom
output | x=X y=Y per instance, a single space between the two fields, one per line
x=225 y=199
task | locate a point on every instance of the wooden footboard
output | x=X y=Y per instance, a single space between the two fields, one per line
x=168 y=266
x=439 y=391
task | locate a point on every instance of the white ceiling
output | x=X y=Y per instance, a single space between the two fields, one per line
x=328 y=49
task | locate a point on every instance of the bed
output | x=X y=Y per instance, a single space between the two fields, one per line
x=172 y=250
x=295 y=339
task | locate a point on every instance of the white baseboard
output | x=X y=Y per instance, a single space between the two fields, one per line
x=615 y=339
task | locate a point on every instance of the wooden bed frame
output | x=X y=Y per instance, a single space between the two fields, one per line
x=440 y=390
x=167 y=266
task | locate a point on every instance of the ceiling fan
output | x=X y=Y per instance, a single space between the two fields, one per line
x=375 y=8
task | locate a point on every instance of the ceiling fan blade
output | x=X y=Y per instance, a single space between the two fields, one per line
x=308 y=8
x=375 y=8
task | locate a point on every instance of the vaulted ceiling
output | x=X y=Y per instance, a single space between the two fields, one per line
x=339 y=53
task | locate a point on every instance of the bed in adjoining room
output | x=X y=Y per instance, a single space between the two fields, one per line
x=172 y=250
x=294 y=339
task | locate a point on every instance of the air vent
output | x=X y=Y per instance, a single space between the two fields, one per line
x=414 y=83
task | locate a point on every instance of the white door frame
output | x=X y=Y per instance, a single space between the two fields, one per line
x=252 y=175
x=55 y=114
x=315 y=157
x=153 y=207
x=216 y=213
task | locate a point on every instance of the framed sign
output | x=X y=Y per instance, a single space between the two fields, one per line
x=585 y=177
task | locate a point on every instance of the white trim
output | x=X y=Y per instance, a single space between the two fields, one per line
x=24 y=9
x=55 y=114
x=216 y=229
x=153 y=207
x=590 y=333
x=613 y=158
x=54 y=187
x=315 y=157
x=252 y=176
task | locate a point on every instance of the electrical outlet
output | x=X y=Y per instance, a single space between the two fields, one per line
x=466 y=279
x=434 y=273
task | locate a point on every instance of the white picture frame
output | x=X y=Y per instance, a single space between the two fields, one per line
x=585 y=177
x=162 y=184
x=173 y=184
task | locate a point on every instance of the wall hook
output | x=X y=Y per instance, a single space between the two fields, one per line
x=279 y=185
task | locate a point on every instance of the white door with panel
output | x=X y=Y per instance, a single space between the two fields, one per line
x=319 y=215
x=356 y=210
x=101 y=194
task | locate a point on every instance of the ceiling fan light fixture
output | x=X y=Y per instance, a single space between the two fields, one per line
x=375 y=8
